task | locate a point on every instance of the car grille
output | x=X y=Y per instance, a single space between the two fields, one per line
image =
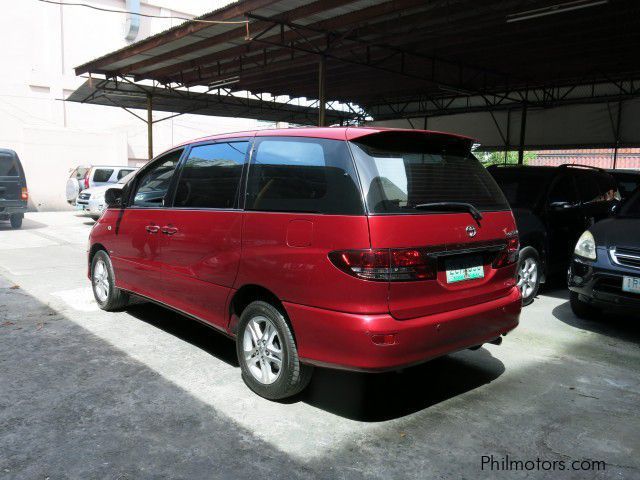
x=84 y=196
x=628 y=257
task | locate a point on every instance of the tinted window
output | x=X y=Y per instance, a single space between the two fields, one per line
x=303 y=175
x=563 y=192
x=400 y=171
x=522 y=186
x=588 y=187
x=154 y=182
x=102 y=175
x=631 y=208
x=9 y=166
x=211 y=176
x=123 y=173
x=608 y=186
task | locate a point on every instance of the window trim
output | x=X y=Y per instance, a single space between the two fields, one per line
x=133 y=186
x=183 y=160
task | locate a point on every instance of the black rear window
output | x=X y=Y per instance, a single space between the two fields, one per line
x=522 y=187
x=9 y=166
x=402 y=170
x=295 y=174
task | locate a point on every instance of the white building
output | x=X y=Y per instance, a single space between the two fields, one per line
x=41 y=45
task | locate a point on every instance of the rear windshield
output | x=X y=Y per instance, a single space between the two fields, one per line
x=9 y=166
x=402 y=170
x=522 y=187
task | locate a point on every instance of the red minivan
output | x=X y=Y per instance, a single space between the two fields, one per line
x=356 y=248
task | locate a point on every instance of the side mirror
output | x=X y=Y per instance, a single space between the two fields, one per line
x=113 y=197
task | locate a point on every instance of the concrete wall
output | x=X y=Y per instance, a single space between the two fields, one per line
x=41 y=44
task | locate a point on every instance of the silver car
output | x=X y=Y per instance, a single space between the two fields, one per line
x=91 y=200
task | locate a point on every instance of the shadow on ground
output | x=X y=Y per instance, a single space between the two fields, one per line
x=349 y=394
x=27 y=224
x=615 y=324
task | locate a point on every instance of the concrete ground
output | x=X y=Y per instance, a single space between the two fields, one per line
x=149 y=394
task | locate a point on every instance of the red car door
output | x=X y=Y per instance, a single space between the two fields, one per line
x=202 y=232
x=137 y=244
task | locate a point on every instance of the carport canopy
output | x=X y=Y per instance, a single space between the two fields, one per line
x=513 y=73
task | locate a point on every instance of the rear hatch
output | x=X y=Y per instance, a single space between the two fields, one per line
x=11 y=179
x=440 y=213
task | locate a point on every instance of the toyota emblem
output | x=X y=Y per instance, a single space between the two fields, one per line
x=471 y=231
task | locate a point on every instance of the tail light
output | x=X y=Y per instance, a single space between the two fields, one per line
x=86 y=178
x=386 y=265
x=24 y=194
x=509 y=255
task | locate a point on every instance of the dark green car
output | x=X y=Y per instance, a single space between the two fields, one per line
x=13 y=188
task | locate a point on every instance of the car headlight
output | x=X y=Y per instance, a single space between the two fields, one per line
x=586 y=246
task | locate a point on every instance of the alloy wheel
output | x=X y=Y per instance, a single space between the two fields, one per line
x=528 y=277
x=101 y=280
x=262 y=349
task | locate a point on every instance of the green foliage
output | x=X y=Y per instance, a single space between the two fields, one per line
x=492 y=158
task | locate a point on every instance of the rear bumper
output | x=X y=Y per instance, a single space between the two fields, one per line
x=343 y=340
x=11 y=208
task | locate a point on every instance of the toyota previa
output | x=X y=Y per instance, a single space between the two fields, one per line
x=355 y=248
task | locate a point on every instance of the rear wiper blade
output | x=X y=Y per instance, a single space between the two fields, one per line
x=451 y=207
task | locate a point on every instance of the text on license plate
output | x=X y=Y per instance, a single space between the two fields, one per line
x=631 y=284
x=469 y=268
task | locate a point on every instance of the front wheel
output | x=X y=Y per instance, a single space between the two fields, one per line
x=16 y=220
x=107 y=295
x=528 y=274
x=267 y=353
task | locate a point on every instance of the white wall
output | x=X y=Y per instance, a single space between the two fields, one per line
x=40 y=44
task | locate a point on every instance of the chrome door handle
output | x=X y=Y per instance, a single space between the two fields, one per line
x=169 y=230
x=152 y=228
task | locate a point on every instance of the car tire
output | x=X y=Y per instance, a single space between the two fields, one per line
x=267 y=353
x=107 y=295
x=529 y=273
x=582 y=309
x=16 y=220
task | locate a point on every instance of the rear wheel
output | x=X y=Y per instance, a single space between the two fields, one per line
x=528 y=274
x=16 y=220
x=582 y=309
x=267 y=353
x=107 y=296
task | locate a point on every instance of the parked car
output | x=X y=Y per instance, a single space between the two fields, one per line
x=14 y=194
x=356 y=248
x=84 y=177
x=552 y=207
x=628 y=181
x=605 y=271
x=92 y=200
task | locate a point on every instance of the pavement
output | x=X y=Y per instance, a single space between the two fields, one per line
x=146 y=393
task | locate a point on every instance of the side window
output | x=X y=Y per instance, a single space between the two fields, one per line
x=562 y=192
x=123 y=173
x=154 y=183
x=211 y=176
x=102 y=174
x=588 y=187
x=608 y=187
x=303 y=175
